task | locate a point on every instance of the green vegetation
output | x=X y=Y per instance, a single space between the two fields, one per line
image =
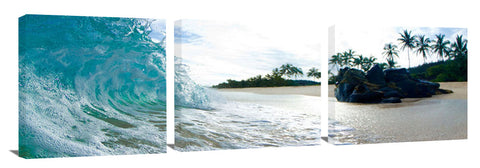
x=444 y=71
x=408 y=41
x=290 y=70
x=450 y=66
x=314 y=73
x=423 y=46
x=350 y=59
x=441 y=47
x=453 y=69
x=390 y=52
x=274 y=79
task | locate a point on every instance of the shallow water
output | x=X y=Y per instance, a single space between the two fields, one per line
x=248 y=120
x=421 y=119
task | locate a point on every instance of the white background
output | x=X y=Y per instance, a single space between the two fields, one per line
x=458 y=13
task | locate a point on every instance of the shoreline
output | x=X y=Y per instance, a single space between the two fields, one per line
x=313 y=90
x=440 y=117
x=459 y=90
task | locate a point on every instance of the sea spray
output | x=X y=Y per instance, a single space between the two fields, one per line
x=188 y=93
x=90 y=86
x=248 y=120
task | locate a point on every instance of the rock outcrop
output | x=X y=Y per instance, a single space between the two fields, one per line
x=377 y=86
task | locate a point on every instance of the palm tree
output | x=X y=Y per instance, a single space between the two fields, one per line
x=296 y=71
x=285 y=69
x=347 y=57
x=390 y=52
x=336 y=60
x=423 y=46
x=441 y=46
x=290 y=70
x=314 y=73
x=358 y=61
x=276 y=73
x=368 y=62
x=459 y=47
x=407 y=41
x=391 y=63
x=383 y=65
x=365 y=63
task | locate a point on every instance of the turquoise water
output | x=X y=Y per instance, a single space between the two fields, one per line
x=91 y=86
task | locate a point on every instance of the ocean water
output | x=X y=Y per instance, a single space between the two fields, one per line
x=422 y=119
x=91 y=86
x=210 y=119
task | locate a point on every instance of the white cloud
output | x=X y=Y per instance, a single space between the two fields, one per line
x=217 y=51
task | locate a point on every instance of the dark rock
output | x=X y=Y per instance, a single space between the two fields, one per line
x=362 y=94
x=417 y=88
x=385 y=87
x=392 y=100
x=409 y=86
x=431 y=84
x=375 y=75
x=396 y=74
x=348 y=80
x=343 y=91
x=351 y=75
x=354 y=87
x=391 y=92
x=443 y=91
x=426 y=88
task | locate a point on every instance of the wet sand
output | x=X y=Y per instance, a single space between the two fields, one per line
x=299 y=90
x=441 y=117
x=459 y=89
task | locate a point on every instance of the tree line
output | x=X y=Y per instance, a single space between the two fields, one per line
x=451 y=64
x=424 y=46
x=276 y=78
x=351 y=59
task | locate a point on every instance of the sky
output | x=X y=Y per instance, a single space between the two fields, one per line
x=219 y=50
x=369 y=41
x=158 y=30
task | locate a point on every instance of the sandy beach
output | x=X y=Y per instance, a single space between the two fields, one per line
x=298 y=90
x=440 y=117
x=459 y=90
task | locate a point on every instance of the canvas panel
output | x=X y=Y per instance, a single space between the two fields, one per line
x=397 y=84
x=91 y=86
x=245 y=85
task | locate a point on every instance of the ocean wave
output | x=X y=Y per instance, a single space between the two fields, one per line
x=90 y=86
x=188 y=93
